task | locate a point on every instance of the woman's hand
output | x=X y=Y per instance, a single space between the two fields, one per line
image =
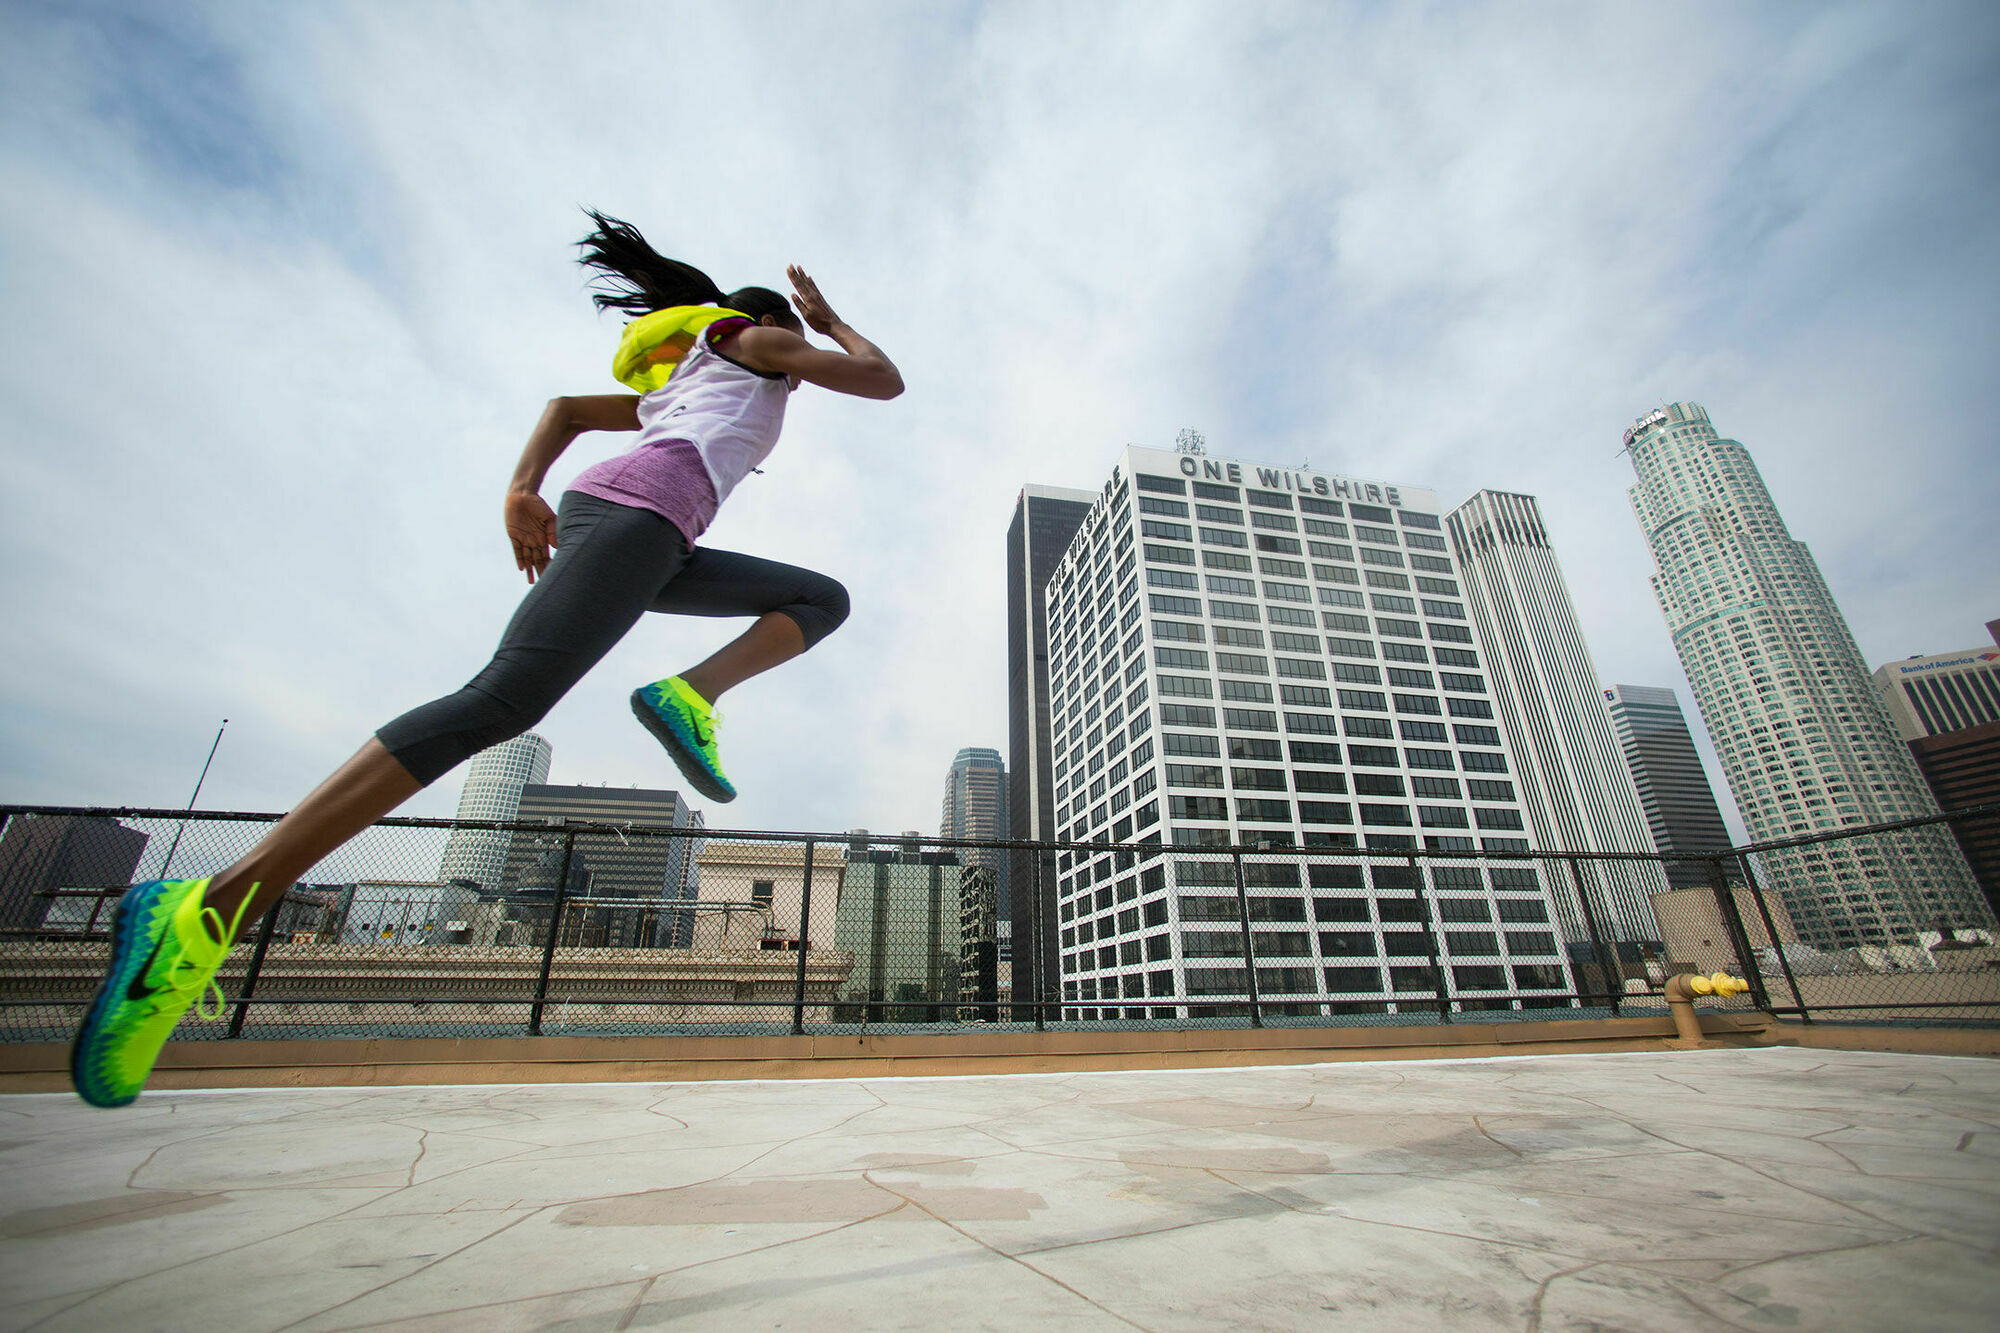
x=818 y=315
x=531 y=527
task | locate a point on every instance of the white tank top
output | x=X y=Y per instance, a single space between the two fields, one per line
x=730 y=413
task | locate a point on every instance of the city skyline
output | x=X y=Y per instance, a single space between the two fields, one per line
x=1427 y=268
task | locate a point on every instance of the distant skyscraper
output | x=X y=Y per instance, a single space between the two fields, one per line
x=1045 y=518
x=1241 y=655
x=643 y=870
x=43 y=852
x=493 y=784
x=1806 y=742
x=975 y=806
x=1948 y=707
x=1574 y=782
x=1673 y=789
x=901 y=915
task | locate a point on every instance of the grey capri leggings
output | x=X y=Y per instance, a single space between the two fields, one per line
x=613 y=563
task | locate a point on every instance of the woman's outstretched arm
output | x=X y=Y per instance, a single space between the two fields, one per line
x=860 y=368
x=531 y=524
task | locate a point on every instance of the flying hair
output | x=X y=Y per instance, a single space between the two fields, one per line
x=634 y=277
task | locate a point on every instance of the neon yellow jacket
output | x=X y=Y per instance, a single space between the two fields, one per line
x=655 y=343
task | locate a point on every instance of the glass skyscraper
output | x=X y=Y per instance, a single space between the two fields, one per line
x=1806 y=742
x=1045 y=518
x=975 y=806
x=493 y=784
x=1673 y=789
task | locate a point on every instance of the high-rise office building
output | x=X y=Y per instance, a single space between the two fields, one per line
x=612 y=867
x=901 y=915
x=493 y=784
x=1947 y=707
x=1246 y=654
x=975 y=806
x=1574 y=784
x=1666 y=770
x=40 y=853
x=1045 y=518
x=1929 y=696
x=1805 y=740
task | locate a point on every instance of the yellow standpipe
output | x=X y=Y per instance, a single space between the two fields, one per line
x=1682 y=990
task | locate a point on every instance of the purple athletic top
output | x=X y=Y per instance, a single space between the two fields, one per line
x=666 y=477
x=700 y=433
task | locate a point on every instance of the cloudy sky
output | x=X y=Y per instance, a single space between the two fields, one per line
x=286 y=286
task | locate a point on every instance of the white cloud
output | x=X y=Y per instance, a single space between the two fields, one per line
x=278 y=332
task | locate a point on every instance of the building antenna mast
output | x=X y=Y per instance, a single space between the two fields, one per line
x=1190 y=442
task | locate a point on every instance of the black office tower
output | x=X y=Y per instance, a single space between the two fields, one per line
x=1045 y=519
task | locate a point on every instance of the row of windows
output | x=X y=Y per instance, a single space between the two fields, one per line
x=1339 y=645
x=1200 y=715
x=1404 y=982
x=1268 y=810
x=1318 y=782
x=1273 y=944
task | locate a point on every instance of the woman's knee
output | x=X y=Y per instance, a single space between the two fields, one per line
x=821 y=608
x=433 y=739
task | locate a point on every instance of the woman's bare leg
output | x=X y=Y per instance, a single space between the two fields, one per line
x=361 y=791
x=373 y=783
x=774 y=639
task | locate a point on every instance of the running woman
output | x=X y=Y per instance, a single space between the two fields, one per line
x=712 y=374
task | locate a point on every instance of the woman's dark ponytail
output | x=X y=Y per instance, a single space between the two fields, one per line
x=636 y=277
x=633 y=276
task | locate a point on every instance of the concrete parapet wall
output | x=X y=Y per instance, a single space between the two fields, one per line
x=42 y=1066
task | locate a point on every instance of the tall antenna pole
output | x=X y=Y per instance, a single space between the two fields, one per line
x=165 y=865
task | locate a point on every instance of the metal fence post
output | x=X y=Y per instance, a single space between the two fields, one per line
x=256 y=968
x=1607 y=963
x=805 y=933
x=1771 y=934
x=549 y=942
x=1433 y=927
x=1249 y=954
x=96 y=910
x=1037 y=983
x=1732 y=921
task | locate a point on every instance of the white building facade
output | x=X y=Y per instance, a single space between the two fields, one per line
x=493 y=784
x=1573 y=780
x=1806 y=742
x=1250 y=655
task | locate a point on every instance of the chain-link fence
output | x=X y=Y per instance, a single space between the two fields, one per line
x=468 y=928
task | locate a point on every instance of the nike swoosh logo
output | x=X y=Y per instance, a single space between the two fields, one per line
x=139 y=990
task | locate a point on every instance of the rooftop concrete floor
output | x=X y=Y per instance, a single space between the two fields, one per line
x=1765 y=1189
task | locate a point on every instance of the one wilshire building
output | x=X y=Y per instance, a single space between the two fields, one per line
x=1244 y=654
x=1806 y=741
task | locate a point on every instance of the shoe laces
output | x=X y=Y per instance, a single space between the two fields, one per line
x=184 y=974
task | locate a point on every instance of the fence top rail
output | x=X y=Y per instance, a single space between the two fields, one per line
x=1136 y=851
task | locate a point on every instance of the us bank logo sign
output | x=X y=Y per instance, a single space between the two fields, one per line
x=1656 y=417
x=1281 y=479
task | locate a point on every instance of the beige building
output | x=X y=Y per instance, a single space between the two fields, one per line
x=1697 y=938
x=749 y=895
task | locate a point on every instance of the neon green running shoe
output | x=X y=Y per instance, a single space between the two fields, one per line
x=683 y=722
x=165 y=949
